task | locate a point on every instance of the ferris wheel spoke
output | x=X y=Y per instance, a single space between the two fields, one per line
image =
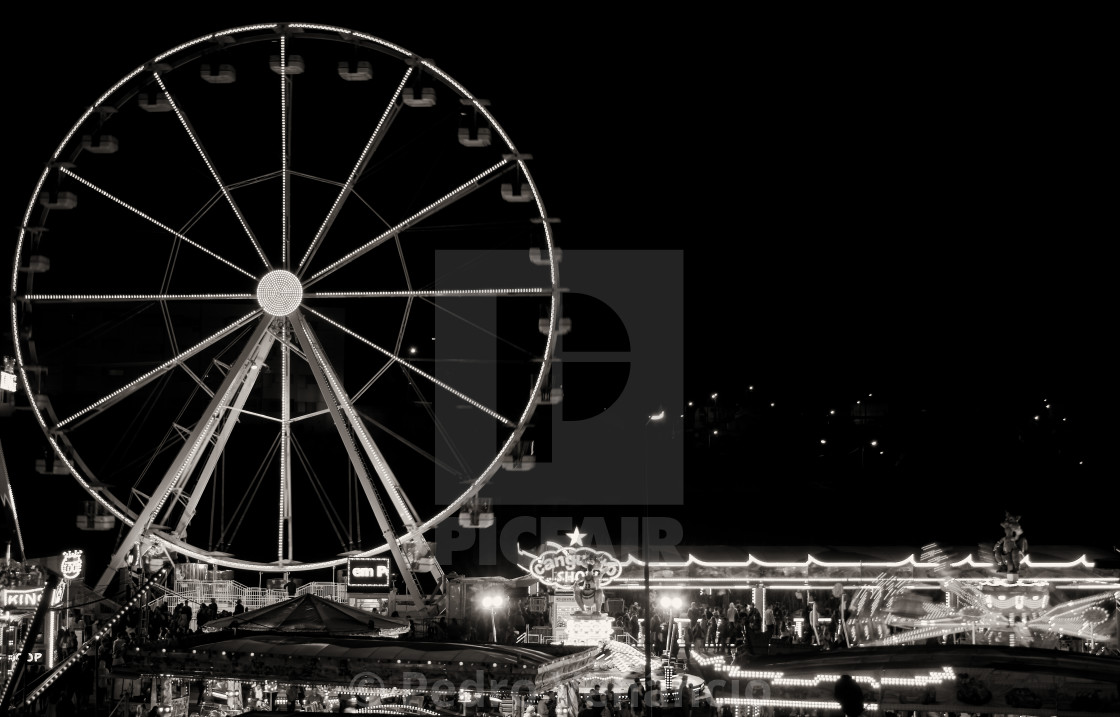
x=431 y=293
x=100 y=298
x=285 y=157
x=414 y=370
x=222 y=186
x=154 y=221
x=387 y=116
x=108 y=400
x=446 y=200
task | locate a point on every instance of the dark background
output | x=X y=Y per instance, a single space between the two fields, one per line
x=907 y=214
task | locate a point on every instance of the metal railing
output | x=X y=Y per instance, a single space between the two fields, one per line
x=327 y=591
x=226 y=593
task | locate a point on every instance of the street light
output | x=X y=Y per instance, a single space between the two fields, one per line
x=493 y=602
x=658 y=417
x=671 y=604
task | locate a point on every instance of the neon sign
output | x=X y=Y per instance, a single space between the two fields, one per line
x=368 y=572
x=71 y=564
x=564 y=568
x=26 y=598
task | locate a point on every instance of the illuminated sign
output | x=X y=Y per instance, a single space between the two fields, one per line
x=21 y=599
x=8 y=375
x=71 y=564
x=368 y=573
x=564 y=568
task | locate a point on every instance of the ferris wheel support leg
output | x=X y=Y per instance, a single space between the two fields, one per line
x=350 y=429
x=192 y=451
x=248 y=380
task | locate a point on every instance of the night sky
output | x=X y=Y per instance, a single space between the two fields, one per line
x=908 y=229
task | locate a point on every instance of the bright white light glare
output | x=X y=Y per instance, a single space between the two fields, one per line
x=493 y=601
x=279 y=292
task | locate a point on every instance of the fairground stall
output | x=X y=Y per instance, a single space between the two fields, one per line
x=940 y=630
x=884 y=591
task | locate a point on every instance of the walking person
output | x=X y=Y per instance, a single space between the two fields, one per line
x=610 y=702
x=635 y=692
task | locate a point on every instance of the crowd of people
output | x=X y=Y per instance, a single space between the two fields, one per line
x=15 y=575
x=736 y=628
x=633 y=700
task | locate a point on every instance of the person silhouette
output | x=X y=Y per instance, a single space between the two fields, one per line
x=848 y=693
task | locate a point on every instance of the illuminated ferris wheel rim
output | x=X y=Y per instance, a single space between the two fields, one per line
x=279 y=293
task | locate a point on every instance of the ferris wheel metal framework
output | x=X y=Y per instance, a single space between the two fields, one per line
x=239 y=193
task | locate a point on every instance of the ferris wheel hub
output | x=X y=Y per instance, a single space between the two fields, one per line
x=279 y=292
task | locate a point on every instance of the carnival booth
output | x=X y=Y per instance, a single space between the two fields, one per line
x=575 y=578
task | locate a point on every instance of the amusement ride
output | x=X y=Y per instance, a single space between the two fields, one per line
x=285 y=280
x=277 y=282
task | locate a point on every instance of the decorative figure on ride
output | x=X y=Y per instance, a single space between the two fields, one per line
x=588 y=592
x=1010 y=549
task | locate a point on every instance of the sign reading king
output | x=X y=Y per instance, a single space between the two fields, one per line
x=564 y=568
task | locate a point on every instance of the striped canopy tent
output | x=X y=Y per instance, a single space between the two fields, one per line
x=312 y=615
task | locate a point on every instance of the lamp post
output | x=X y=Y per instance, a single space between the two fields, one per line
x=493 y=602
x=658 y=417
x=671 y=604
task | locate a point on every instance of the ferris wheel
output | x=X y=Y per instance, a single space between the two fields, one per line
x=279 y=281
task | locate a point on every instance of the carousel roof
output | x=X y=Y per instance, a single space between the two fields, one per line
x=404 y=651
x=310 y=614
x=342 y=660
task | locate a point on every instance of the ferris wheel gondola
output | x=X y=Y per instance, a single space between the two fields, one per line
x=267 y=258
